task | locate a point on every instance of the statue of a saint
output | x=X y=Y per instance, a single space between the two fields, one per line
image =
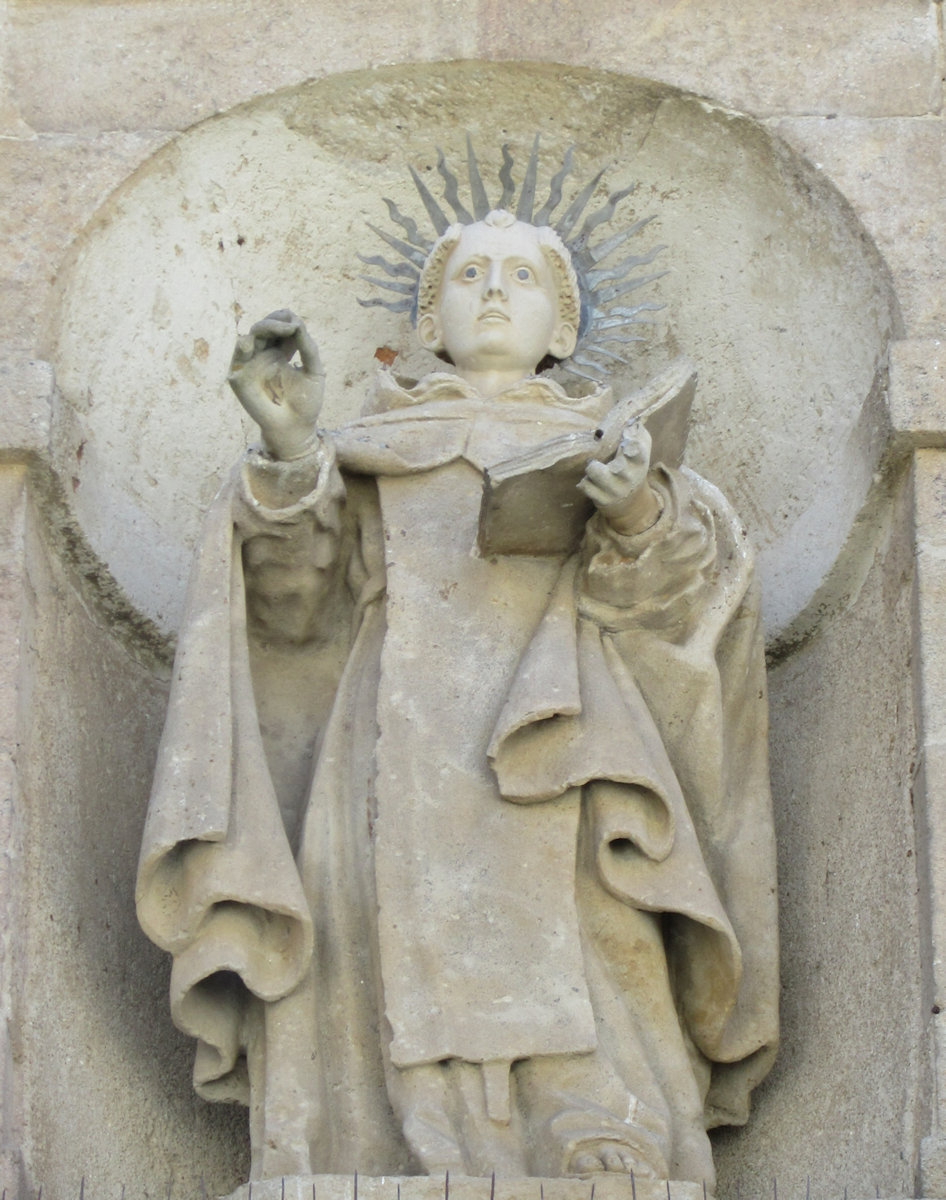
x=465 y=855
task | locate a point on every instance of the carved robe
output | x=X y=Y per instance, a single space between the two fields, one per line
x=434 y=834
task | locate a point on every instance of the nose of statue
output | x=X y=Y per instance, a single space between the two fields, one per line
x=494 y=282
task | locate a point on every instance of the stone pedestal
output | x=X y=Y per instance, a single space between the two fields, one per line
x=467 y=1187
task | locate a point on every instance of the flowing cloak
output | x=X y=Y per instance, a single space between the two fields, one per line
x=482 y=720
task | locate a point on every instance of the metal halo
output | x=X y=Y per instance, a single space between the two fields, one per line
x=606 y=324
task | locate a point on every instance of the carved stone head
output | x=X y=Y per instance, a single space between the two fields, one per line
x=498 y=294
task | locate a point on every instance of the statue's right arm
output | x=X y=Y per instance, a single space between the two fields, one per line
x=291 y=495
x=283 y=399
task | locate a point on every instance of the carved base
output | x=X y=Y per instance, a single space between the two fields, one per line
x=604 y=1186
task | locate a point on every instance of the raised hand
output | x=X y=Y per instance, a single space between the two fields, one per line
x=283 y=399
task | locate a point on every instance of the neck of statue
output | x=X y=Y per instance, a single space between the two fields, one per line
x=490 y=383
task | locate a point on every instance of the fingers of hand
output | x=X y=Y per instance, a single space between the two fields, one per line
x=285 y=333
x=612 y=486
x=597 y=483
x=308 y=352
x=242 y=351
x=276 y=332
x=279 y=324
x=613 y=479
x=636 y=442
x=600 y=486
x=261 y=345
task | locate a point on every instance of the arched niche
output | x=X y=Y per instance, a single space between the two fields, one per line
x=776 y=293
x=773 y=289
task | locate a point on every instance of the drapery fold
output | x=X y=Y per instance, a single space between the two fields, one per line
x=657 y=720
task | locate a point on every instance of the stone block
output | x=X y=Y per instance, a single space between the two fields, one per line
x=51 y=186
x=930 y=520
x=863 y=59
x=12 y=571
x=930 y=802
x=11 y=1173
x=26 y=387
x=930 y=654
x=11 y=123
x=848 y=1084
x=607 y=1186
x=930 y=501
x=892 y=173
x=105 y=1079
x=930 y=797
x=930 y=783
x=12 y=501
x=917 y=392
x=165 y=66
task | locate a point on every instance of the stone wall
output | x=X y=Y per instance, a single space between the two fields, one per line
x=93 y=1081
x=846 y=1103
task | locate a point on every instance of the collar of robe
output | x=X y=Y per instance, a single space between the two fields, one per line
x=397 y=392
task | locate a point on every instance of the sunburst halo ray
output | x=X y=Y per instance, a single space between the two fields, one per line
x=451 y=190
x=477 y=188
x=411 y=232
x=438 y=218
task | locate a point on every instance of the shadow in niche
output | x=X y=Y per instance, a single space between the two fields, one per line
x=94 y=994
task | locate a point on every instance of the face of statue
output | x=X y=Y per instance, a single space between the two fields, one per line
x=498 y=308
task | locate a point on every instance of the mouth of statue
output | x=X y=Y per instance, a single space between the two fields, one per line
x=493 y=314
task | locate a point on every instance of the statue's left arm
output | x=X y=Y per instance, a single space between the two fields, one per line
x=676 y=606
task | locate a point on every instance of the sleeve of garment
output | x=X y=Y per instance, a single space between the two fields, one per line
x=655 y=579
x=678 y=611
x=217 y=884
x=288 y=516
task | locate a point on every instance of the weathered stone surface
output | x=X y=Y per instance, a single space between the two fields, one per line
x=930 y=534
x=12 y=503
x=12 y=580
x=163 y=66
x=51 y=188
x=463 y=1187
x=930 y=525
x=26 y=387
x=160 y=66
x=11 y=123
x=105 y=1081
x=917 y=396
x=845 y=1104
x=930 y=795
x=875 y=59
x=892 y=172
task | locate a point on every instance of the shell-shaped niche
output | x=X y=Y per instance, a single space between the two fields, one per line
x=772 y=288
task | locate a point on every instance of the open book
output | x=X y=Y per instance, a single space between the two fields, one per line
x=531 y=503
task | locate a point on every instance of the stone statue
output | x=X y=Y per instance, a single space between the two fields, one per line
x=463 y=848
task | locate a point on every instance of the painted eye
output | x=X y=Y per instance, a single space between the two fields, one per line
x=471 y=273
x=523 y=274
